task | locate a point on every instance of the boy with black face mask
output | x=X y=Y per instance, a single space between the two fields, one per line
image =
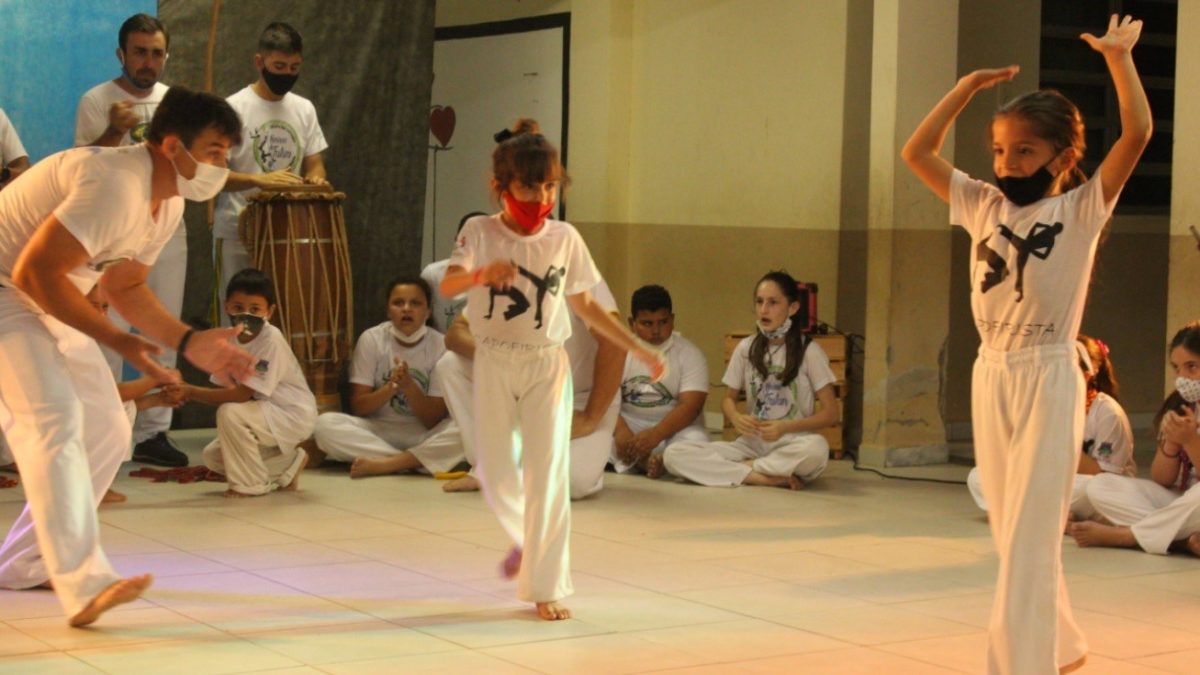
x=281 y=143
x=261 y=420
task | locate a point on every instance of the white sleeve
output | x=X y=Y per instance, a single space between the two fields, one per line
x=314 y=141
x=694 y=375
x=735 y=372
x=362 y=365
x=1088 y=202
x=968 y=198
x=1111 y=436
x=816 y=367
x=271 y=362
x=95 y=212
x=90 y=121
x=582 y=274
x=10 y=143
x=466 y=246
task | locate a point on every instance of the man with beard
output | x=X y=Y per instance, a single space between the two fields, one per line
x=114 y=113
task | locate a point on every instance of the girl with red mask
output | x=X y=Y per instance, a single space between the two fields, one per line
x=1034 y=237
x=520 y=270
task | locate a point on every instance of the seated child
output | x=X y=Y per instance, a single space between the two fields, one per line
x=400 y=421
x=1107 y=435
x=656 y=414
x=784 y=374
x=261 y=421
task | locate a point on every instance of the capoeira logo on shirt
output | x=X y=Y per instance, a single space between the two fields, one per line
x=773 y=400
x=1039 y=244
x=276 y=146
x=551 y=283
x=642 y=392
x=400 y=401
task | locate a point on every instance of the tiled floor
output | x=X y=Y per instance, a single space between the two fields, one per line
x=856 y=574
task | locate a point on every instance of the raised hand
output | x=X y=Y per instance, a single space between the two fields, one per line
x=138 y=351
x=1179 y=427
x=211 y=351
x=986 y=78
x=1120 y=38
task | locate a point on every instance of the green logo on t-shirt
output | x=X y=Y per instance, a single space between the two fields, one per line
x=276 y=146
x=641 y=392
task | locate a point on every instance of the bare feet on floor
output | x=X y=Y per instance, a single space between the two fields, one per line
x=654 y=466
x=363 y=467
x=790 y=482
x=464 y=484
x=511 y=565
x=119 y=593
x=552 y=611
x=295 y=484
x=1089 y=533
x=113 y=497
x=1193 y=544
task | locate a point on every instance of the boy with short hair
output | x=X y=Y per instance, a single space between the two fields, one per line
x=262 y=420
x=656 y=414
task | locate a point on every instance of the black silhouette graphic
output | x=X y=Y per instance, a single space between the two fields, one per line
x=997 y=266
x=551 y=283
x=1039 y=244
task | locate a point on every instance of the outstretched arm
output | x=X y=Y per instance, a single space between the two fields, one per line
x=1136 y=124
x=608 y=326
x=920 y=153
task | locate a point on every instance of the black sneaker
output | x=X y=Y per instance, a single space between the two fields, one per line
x=159 y=451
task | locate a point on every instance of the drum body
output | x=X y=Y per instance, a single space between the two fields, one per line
x=299 y=240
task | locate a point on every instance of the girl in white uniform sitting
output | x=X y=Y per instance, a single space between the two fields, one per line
x=1163 y=512
x=1107 y=436
x=399 y=421
x=784 y=374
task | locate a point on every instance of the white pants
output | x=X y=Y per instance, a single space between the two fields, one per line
x=345 y=438
x=589 y=453
x=166 y=280
x=1081 y=506
x=695 y=433
x=522 y=437
x=1027 y=413
x=64 y=421
x=720 y=464
x=234 y=258
x=246 y=451
x=1157 y=515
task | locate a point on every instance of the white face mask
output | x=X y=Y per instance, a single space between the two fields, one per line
x=778 y=332
x=409 y=339
x=1188 y=388
x=205 y=185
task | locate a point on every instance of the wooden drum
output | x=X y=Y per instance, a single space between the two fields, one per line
x=298 y=238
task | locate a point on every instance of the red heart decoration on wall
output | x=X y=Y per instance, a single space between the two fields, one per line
x=441 y=123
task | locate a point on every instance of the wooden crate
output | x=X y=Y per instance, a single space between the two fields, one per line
x=835 y=347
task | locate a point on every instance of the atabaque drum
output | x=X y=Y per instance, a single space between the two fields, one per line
x=298 y=238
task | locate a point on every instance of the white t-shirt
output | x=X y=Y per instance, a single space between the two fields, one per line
x=444 y=310
x=101 y=196
x=279 y=385
x=10 y=143
x=769 y=399
x=275 y=135
x=374 y=359
x=582 y=346
x=554 y=262
x=1030 y=265
x=91 y=119
x=1107 y=436
x=645 y=399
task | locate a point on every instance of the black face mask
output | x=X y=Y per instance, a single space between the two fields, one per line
x=1027 y=190
x=279 y=83
x=251 y=323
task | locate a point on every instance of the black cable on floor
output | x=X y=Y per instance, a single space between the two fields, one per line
x=854 y=455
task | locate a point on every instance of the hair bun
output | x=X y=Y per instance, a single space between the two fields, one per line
x=526 y=125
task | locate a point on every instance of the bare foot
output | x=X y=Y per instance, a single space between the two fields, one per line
x=363 y=467
x=464 y=484
x=511 y=565
x=552 y=611
x=756 y=478
x=113 y=497
x=295 y=484
x=1088 y=533
x=119 y=593
x=234 y=494
x=316 y=456
x=1193 y=544
x=795 y=483
x=654 y=466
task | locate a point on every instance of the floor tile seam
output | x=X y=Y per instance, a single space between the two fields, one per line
x=137 y=641
x=777 y=620
x=451 y=646
x=588 y=637
x=603 y=632
x=920 y=659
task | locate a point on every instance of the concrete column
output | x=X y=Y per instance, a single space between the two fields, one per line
x=914 y=62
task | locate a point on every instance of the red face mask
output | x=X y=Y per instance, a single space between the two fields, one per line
x=529 y=215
